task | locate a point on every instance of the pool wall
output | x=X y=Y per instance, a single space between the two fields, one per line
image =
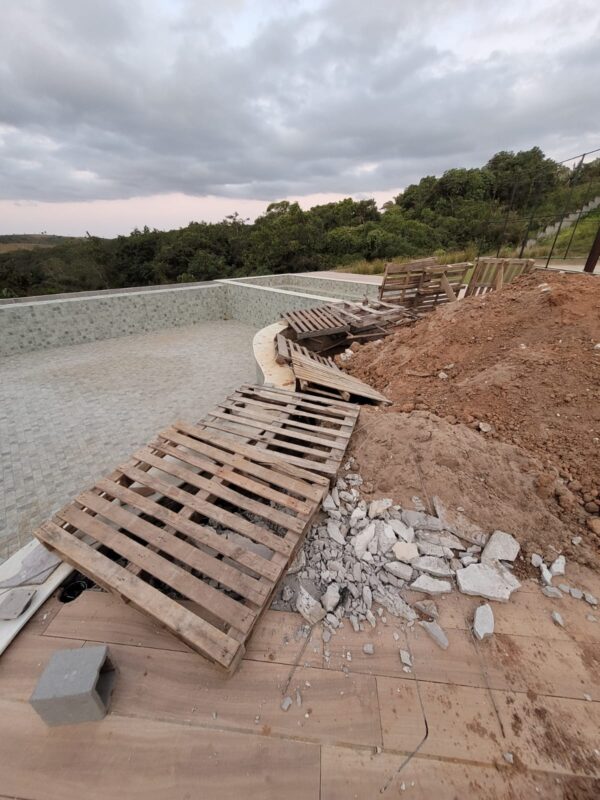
x=56 y=321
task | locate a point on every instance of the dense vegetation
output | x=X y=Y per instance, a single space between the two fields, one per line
x=498 y=205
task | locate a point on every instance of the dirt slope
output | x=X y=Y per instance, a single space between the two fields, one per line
x=522 y=361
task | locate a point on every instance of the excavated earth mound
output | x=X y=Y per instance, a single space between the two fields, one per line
x=516 y=376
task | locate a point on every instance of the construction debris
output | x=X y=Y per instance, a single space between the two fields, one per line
x=483 y=623
x=436 y=633
x=14 y=602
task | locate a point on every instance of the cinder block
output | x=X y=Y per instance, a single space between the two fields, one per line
x=75 y=686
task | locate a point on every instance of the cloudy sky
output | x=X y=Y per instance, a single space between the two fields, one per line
x=116 y=113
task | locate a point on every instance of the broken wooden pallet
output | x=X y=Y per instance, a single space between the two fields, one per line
x=308 y=323
x=402 y=280
x=195 y=530
x=313 y=376
x=306 y=431
x=286 y=347
x=493 y=273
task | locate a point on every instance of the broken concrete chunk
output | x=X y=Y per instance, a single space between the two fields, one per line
x=399 y=570
x=367 y=596
x=358 y=514
x=331 y=598
x=483 y=623
x=362 y=540
x=329 y=503
x=420 y=520
x=487 y=580
x=377 y=507
x=429 y=549
x=436 y=633
x=393 y=603
x=433 y=566
x=286 y=703
x=386 y=539
x=557 y=619
x=558 y=566
x=368 y=649
x=308 y=606
x=429 y=585
x=427 y=607
x=552 y=591
x=457 y=523
x=576 y=594
x=405 y=551
x=589 y=598
x=14 y=603
x=335 y=532
x=298 y=563
x=546 y=574
x=508 y=757
x=405 y=658
x=35 y=568
x=536 y=560
x=501 y=546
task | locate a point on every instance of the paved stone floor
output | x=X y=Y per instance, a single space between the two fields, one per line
x=70 y=414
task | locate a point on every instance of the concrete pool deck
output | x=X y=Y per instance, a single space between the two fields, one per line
x=70 y=414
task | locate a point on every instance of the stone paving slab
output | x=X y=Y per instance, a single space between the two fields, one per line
x=70 y=414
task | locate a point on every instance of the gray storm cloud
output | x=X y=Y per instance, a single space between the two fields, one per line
x=119 y=99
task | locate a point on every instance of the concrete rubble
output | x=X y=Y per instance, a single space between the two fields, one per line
x=362 y=558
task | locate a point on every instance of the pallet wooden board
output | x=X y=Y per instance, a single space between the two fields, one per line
x=311 y=374
x=197 y=528
x=309 y=432
x=423 y=285
x=317 y=321
x=400 y=279
x=286 y=347
x=494 y=273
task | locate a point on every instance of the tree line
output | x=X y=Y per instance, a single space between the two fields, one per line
x=511 y=197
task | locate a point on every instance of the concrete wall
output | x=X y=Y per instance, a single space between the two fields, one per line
x=58 y=321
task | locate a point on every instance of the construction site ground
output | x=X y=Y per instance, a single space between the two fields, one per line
x=177 y=727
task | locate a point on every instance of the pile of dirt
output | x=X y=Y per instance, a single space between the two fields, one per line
x=522 y=365
x=494 y=485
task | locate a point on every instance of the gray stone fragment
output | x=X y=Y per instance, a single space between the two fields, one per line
x=362 y=541
x=358 y=514
x=429 y=585
x=368 y=649
x=329 y=504
x=386 y=539
x=558 y=566
x=536 y=560
x=576 y=540
x=405 y=658
x=546 y=575
x=75 y=686
x=298 y=563
x=427 y=607
x=335 y=533
x=377 y=507
x=508 y=757
x=501 y=546
x=564 y=587
x=309 y=606
x=405 y=551
x=589 y=598
x=393 y=603
x=433 y=566
x=420 y=520
x=577 y=594
x=552 y=591
x=399 y=570
x=331 y=597
x=406 y=533
x=436 y=633
x=37 y=565
x=14 y=602
x=483 y=623
x=286 y=703
x=556 y=617
x=429 y=549
x=367 y=596
x=457 y=523
x=487 y=580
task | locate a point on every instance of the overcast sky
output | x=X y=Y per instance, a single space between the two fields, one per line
x=116 y=113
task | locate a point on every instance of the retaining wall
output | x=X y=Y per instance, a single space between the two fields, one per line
x=56 y=321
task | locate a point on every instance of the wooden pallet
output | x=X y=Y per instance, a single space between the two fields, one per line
x=285 y=348
x=317 y=321
x=400 y=280
x=493 y=273
x=159 y=514
x=309 y=432
x=313 y=376
x=372 y=314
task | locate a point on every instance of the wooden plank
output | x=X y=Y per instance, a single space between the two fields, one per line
x=255 y=532
x=345 y=426
x=321 y=375
x=192 y=530
x=221 y=491
x=338 y=407
x=289 y=423
x=165 y=542
x=193 y=630
x=218 y=603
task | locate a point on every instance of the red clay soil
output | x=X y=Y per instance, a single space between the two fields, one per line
x=522 y=361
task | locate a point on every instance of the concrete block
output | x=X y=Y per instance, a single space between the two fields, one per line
x=75 y=686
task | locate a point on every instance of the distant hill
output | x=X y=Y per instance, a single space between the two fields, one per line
x=32 y=241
